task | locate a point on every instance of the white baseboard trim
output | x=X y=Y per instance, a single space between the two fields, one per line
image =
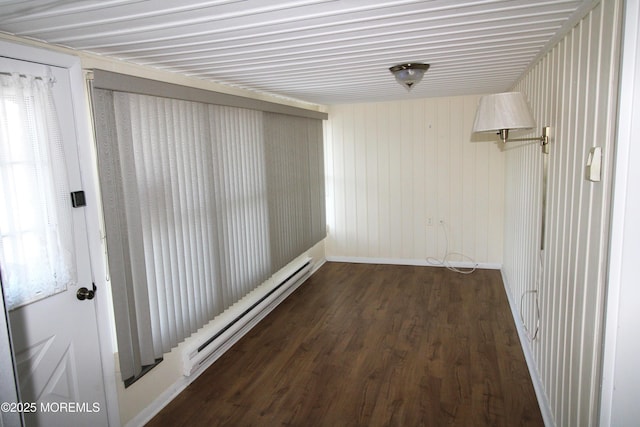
x=144 y=416
x=416 y=262
x=541 y=395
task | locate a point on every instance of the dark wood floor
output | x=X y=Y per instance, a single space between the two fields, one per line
x=372 y=345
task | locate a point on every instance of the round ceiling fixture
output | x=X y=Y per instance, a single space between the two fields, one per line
x=409 y=74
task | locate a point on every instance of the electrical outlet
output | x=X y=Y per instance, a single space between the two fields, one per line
x=429 y=222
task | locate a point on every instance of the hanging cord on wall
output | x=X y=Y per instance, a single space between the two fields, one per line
x=88 y=81
x=531 y=336
x=445 y=260
x=534 y=335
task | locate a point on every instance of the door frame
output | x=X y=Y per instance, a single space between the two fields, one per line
x=620 y=372
x=9 y=385
x=93 y=210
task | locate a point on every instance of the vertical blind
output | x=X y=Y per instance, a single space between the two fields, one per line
x=202 y=203
x=294 y=167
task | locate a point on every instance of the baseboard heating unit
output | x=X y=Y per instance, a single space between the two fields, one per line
x=238 y=319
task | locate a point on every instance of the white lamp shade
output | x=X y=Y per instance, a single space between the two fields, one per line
x=508 y=110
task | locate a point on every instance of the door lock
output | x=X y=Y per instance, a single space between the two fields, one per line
x=84 y=293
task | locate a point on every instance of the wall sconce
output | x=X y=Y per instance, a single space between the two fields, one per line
x=409 y=74
x=502 y=112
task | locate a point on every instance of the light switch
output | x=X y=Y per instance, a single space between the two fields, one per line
x=594 y=164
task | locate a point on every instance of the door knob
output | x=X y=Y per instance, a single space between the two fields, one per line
x=84 y=293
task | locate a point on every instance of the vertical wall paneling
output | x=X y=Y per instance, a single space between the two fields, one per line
x=455 y=171
x=442 y=190
x=393 y=166
x=573 y=89
x=468 y=156
x=380 y=170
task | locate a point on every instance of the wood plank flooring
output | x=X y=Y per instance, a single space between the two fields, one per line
x=372 y=345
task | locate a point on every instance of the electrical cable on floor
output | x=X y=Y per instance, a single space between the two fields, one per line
x=444 y=262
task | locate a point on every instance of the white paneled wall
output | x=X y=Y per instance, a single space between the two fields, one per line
x=393 y=166
x=573 y=89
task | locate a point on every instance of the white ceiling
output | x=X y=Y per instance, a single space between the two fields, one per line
x=318 y=51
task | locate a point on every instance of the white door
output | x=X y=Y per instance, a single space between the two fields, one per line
x=54 y=333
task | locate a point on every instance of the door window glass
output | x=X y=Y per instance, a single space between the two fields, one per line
x=36 y=235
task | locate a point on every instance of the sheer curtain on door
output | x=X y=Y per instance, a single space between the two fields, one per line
x=36 y=245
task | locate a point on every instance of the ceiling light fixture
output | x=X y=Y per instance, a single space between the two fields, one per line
x=409 y=74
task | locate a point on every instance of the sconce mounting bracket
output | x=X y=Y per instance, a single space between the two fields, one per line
x=544 y=139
